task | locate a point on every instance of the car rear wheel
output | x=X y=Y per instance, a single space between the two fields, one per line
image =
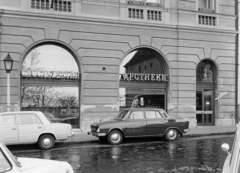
x=171 y=134
x=46 y=142
x=115 y=137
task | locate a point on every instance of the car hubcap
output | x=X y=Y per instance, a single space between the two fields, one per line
x=115 y=137
x=172 y=134
x=47 y=142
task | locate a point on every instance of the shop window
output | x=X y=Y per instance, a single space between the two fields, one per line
x=145 y=87
x=50 y=83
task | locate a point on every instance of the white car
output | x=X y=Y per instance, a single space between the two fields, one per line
x=25 y=127
x=12 y=164
x=232 y=162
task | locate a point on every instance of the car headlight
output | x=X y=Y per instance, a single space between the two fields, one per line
x=98 y=130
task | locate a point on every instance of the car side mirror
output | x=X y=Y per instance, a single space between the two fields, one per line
x=225 y=147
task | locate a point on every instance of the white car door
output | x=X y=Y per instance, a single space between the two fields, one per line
x=8 y=128
x=29 y=127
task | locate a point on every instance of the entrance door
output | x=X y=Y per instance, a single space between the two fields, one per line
x=204 y=107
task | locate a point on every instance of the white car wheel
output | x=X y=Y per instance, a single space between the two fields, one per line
x=115 y=137
x=171 y=134
x=46 y=142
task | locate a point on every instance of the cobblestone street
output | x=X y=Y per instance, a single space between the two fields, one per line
x=186 y=155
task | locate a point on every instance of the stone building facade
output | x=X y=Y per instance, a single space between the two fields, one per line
x=192 y=42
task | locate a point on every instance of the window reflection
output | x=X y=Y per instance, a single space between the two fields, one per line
x=142 y=97
x=49 y=58
x=61 y=102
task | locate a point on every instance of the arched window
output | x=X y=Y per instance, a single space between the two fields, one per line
x=50 y=82
x=143 y=79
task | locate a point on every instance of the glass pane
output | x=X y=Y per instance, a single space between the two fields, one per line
x=159 y=115
x=60 y=102
x=199 y=105
x=138 y=115
x=208 y=100
x=145 y=59
x=199 y=118
x=150 y=115
x=6 y=120
x=154 y=1
x=206 y=4
x=207 y=118
x=4 y=164
x=25 y=119
x=141 y=97
x=49 y=58
x=37 y=120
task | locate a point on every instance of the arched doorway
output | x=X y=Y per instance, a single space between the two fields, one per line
x=206 y=76
x=144 y=77
x=50 y=81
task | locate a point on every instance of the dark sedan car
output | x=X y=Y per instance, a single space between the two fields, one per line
x=139 y=122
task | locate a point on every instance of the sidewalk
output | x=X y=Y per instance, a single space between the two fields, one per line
x=82 y=137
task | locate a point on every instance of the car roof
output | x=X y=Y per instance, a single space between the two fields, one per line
x=20 y=112
x=142 y=108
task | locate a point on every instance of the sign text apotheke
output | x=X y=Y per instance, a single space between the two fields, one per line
x=143 y=77
x=50 y=74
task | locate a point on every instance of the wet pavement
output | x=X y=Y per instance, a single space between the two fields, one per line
x=186 y=155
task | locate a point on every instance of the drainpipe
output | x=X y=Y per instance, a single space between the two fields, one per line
x=236 y=63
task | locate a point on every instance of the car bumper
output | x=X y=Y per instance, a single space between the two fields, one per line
x=96 y=134
x=71 y=135
x=185 y=130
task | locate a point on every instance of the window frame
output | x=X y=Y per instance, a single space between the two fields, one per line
x=210 y=5
x=8 y=161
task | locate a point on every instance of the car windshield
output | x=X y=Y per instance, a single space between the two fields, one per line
x=233 y=145
x=122 y=115
x=49 y=115
x=15 y=159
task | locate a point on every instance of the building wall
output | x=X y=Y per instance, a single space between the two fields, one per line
x=100 y=34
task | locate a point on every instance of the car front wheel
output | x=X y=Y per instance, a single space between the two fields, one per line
x=115 y=137
x=171 y=134
x=46 y=142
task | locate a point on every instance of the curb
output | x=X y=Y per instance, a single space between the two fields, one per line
x=184 y=136
x=209 y=134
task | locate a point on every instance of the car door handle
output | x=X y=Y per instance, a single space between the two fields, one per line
x=39 y=127
x=14 y=128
